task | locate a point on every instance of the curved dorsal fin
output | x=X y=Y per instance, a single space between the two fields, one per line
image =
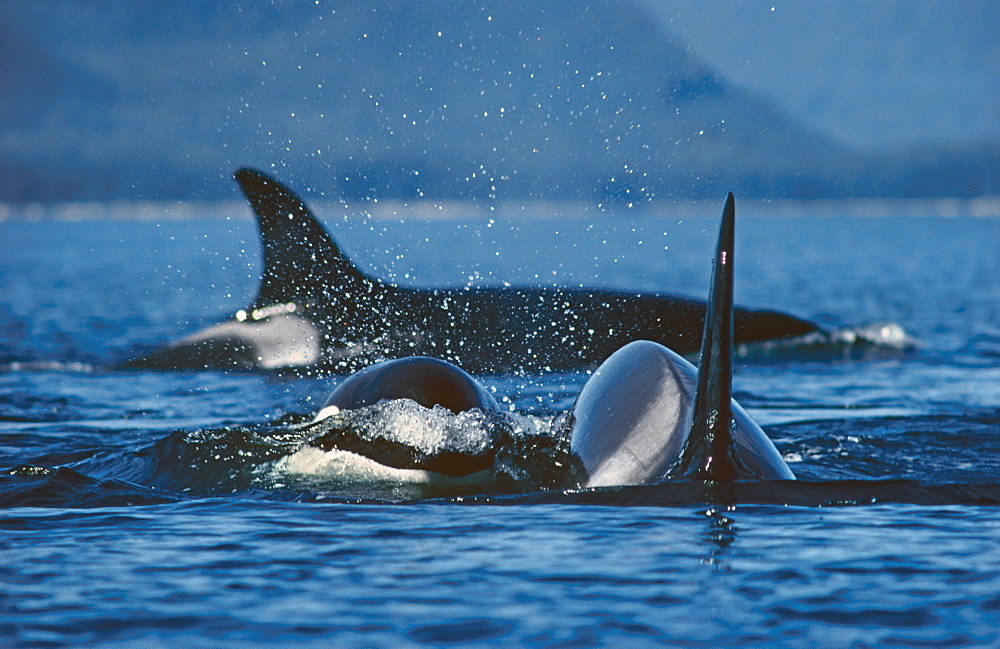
x=710 y=452
x=301 y=261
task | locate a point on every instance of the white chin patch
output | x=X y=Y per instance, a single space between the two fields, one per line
x=286 y=341
x=329 y=411
x=344 y=466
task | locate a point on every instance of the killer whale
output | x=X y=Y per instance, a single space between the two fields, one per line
x=645 y=416
x=425 y=382
x=315 y=310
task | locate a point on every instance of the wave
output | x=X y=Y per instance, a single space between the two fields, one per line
x=834 y=493
x=64 y=488
x=400 y=452
x=866 y=342
x=63 y=366
x=34 y=486
x=394 y=450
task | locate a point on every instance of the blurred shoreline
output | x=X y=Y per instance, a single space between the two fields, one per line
x=153 y=211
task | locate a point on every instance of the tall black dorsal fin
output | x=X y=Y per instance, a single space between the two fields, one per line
x=710 y=452
x=301 y=260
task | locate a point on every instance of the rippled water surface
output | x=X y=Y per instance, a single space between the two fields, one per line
x=144 y=509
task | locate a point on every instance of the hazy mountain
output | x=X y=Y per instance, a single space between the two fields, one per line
x=484 y=100
x=872 y=74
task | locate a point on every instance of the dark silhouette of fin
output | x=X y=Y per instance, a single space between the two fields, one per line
x=302 y=263
x=710 y=452
x=308 y=281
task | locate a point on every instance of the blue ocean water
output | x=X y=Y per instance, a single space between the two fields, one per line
x=142 y=508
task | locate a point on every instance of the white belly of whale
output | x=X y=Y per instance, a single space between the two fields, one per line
x=284 y=340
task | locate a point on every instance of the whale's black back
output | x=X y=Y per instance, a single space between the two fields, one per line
x=484 y=330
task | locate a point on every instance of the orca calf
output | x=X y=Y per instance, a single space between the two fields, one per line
x=316 y=310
